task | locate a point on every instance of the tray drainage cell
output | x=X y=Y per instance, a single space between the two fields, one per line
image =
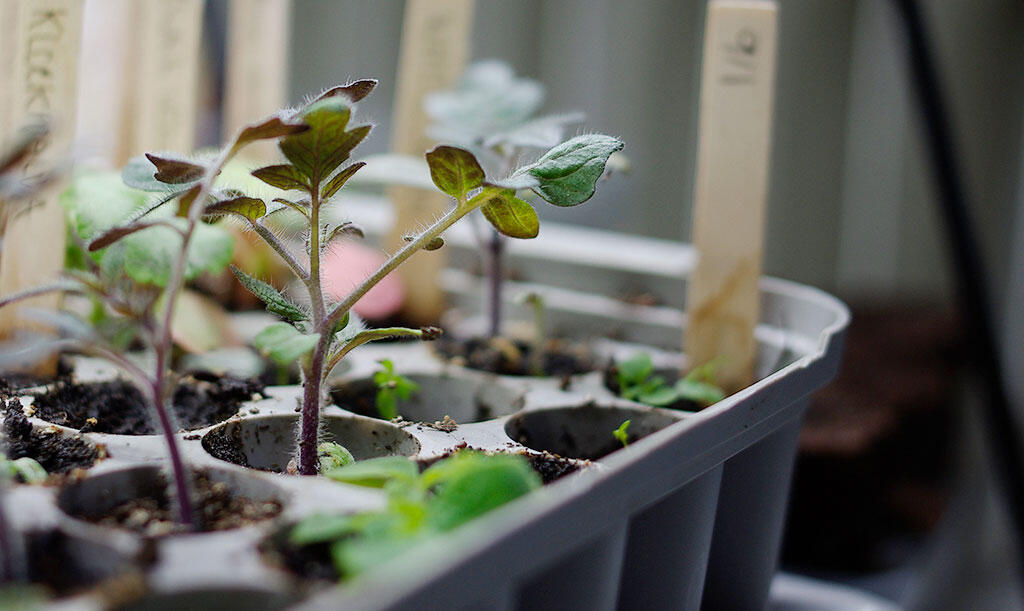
x=268 y=442
x=583 y=431
x=67 y=564
x=462 y=399
x=135 y=498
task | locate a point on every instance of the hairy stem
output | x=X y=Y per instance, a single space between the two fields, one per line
x=316 y=295
x=439 y=226
x=311 y=397
x=282 y=251
x=180 y=477
x=495 y=282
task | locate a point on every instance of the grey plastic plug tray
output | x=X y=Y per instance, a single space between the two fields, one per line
x=688 y=516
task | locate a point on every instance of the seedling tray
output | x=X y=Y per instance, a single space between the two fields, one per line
x=689 y=515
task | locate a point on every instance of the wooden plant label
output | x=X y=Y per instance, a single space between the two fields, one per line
x=737 y=90
x=435 y=45
x=256 y=75
x=163 y=93
x=43 y=88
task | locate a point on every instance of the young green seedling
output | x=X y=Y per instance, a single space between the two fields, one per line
x=493 y=113
x=392 y=387
x=137 y=269
x=536 y=303
x=637 y=382
x=448 y=494
x=620 y=433
x=320 y=333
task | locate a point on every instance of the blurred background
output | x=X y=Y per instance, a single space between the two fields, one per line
x=893 y=491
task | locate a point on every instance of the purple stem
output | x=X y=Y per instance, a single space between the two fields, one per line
x=495 y=277
x=310 y=426
x=181 y=483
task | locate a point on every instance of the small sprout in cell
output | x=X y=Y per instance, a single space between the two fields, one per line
x=333 y=455
x=620 y=433
x=392 y=388
x=638 y=382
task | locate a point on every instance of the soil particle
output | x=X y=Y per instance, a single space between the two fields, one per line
x=505 y=356
x=447 y=425
x=217 y=509
x=57 y=453
x=118 y=407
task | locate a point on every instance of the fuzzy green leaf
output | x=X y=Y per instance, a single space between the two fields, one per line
x=283 y=176
x=354 y=91
x=510 y=215
x=248 y=207
x=339 y=179
x=567 y=174
x=317 y=152
x=149 y=255
x=175 y=171
x=275 y=301
x=454 y=170
x=284 y=344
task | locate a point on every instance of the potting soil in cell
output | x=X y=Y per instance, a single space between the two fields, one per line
x=217 y=509
x=118 y=407
x=506 y=356
x=55 y=452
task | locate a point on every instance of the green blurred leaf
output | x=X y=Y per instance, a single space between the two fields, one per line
x=634 y=370
x=318 y=152
x=567 y=174
x=621 y=434
x=276 y=302
x=470 y=484
x=375 y=472
x=283 y=176
x=320 y=529
x=454 y=170
x=283 y=343
x=508 y=214
x=354 y=556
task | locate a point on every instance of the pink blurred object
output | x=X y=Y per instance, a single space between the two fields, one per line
x=345 y=264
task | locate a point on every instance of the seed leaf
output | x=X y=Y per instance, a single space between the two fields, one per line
x=275 y=301
x=508 y=214
x=283 y=176
x=284 y=344
x=339 y=180
x=454 y=170
x=376 y=472
x=567 y=174
x=175 y=171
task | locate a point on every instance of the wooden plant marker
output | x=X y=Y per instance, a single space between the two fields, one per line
x=162 y=93
x=737 y=91
x=43 y=88
x=256 y=74
x=435 y=45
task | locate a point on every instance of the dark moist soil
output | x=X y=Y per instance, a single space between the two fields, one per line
x=118 y=407
x=227 y=446
x=58 y=454
x=217 y=509
x=313 y=562
x=611 y=382
x=506 y=356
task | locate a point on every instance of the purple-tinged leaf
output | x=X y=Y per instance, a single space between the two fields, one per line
x=319 y=151
x=271 y=128
x=454 y=170
x=354 y=91
x=114 y=234
x=175 y=171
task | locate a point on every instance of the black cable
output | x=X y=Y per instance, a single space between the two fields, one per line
x=972 y=287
